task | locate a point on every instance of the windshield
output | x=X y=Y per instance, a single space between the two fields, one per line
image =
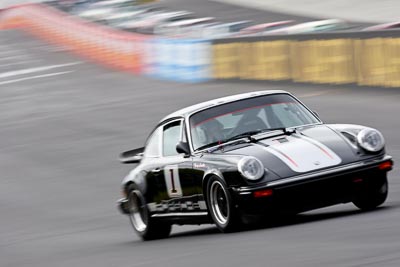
x=225 y=122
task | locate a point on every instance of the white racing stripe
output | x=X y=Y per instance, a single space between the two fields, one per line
x=36 y=69
x=35 y=77
x=302 y=154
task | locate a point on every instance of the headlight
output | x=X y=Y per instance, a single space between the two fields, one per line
x=371 y=140
x=251 y=168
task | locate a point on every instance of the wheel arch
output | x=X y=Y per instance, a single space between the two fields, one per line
x=127 y=185
x=206 y=178
x=136 y=177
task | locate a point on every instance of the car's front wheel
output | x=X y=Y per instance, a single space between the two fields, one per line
x=372 y=194
x=145 y=226
x=221 y=207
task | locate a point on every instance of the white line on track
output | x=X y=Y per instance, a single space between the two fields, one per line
x=19 y=62
x=36 y=69
x=35 y=77
x=15 y=57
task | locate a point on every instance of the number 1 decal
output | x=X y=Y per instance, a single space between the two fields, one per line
x=172 y=181
x=173 y=190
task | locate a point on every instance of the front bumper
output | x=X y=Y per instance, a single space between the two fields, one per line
x=311 y=191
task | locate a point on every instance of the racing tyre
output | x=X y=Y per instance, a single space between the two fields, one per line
x=372 y=194
x=220 y=206
x=145 y=226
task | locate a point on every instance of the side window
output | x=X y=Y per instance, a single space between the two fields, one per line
x=171 y=137
x=153 y=144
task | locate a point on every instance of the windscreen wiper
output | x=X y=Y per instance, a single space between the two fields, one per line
x=286 y=130
x=222 y=143
x=208 y=145
x=248 y=134
x=227 y=143
x=250 y=138
x=275 y=132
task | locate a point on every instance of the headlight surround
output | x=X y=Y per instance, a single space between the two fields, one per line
x=251 y=168
x=371 y=140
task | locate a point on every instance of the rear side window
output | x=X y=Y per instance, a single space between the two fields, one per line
x=171 y=137
x=153 y=144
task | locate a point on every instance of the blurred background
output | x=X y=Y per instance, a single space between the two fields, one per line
x=83 y=80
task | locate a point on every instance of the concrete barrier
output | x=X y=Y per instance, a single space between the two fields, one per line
x=364 y=58
x=251 y=60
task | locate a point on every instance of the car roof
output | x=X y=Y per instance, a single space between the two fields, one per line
x=219 y=101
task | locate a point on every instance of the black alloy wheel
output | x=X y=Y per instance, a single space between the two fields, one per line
x=372 y=194
x=144 y=225
x=221 y=207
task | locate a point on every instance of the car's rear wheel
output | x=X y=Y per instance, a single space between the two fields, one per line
x=372 y=193
x=221 y=207
x=145 y=226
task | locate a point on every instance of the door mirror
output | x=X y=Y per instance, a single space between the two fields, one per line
x=132 y=156
x=183 y=148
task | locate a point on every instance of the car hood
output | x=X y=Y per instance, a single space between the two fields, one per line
x=308 y=149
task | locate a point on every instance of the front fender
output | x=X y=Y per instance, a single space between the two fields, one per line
x=232 y=177
x=212 y=172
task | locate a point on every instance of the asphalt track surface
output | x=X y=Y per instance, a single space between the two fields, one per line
x=64 y=122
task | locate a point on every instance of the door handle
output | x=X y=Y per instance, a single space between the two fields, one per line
x=156 y=171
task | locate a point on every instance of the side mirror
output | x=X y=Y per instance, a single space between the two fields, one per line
x=183 y=148
x=132 y=156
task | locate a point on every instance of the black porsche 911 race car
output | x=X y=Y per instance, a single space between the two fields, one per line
x=254 y=154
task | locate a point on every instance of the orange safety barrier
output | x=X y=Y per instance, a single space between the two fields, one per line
x=107 y=46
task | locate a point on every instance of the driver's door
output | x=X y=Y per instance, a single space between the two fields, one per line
x=180 y=194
